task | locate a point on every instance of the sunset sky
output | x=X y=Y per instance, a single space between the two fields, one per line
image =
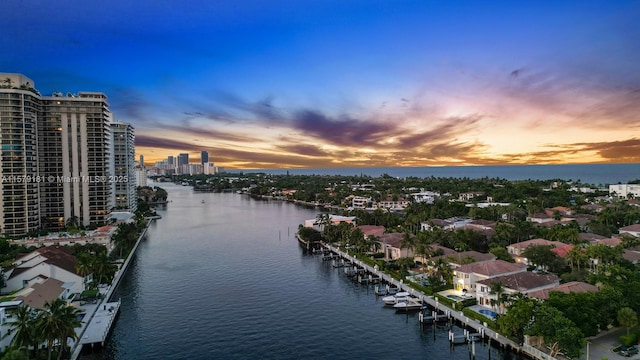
x=346 y=83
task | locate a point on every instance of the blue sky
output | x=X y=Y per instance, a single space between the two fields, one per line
x=273 y=84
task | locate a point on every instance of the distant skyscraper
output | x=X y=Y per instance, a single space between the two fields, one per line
x=123 y=182
x=170 y=159
x=141 y=160
x=204 y=157
x=183 y=163
x=19 y=201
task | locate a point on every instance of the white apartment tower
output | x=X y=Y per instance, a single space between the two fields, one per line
x=74 y=148
x=20 y=108
x=123 y=165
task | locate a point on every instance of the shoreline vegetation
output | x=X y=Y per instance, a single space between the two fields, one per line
x=58 y=321
x=577 y=215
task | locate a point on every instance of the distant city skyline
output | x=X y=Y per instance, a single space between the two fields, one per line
x=282 y=84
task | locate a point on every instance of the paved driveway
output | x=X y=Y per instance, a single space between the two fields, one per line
x=602 y=345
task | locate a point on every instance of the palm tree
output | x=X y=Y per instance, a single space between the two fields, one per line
x=323 y=220
x=57 y=322
x=23 y=326
x=497 y=289
x=84 y=265
x=408 y=241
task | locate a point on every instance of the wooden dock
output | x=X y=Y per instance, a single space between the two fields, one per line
x=481 y=332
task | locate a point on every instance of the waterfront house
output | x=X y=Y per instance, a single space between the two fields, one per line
x=43 y=263
x=457 y=259
x=360 y=202
x=572 y=286
x=40 y=293
x=371 y=230
x=391 y=246
x=333 y=220
x=466 y=276
x=522 y=282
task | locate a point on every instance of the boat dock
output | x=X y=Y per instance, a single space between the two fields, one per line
x=98 y=328
x=441 y=311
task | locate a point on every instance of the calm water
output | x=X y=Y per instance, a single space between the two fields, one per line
x=225 y=279
x=596 y=174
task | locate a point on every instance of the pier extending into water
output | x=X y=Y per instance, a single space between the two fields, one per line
x=481 y=333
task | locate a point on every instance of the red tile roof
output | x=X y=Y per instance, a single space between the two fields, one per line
x=392 y=239
x=492 y=268
x=562 y=251
x=573 y=286
x=523 y=281
x=374 y=230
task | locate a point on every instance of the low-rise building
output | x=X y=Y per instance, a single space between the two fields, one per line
x=522 y=282
x=43 y=263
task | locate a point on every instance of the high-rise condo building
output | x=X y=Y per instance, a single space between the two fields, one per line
x=54 y=160
x=20 y=108
x=73 y=138
x=123 y=167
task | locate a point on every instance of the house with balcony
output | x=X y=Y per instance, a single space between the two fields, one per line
x=391 y=204
x=360 y=202
x=522 y=282
x=466 y=277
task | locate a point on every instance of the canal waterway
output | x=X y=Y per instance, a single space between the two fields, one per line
x=221 y=276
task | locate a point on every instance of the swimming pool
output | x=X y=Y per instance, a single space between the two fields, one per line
x=488 y=313
x=455 y=297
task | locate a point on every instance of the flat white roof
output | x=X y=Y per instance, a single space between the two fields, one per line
x=11 y=303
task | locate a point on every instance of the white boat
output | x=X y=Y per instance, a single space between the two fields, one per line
x=394 y=299
x=408 y=305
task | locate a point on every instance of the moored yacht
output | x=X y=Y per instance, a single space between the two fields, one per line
x=394 y=299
